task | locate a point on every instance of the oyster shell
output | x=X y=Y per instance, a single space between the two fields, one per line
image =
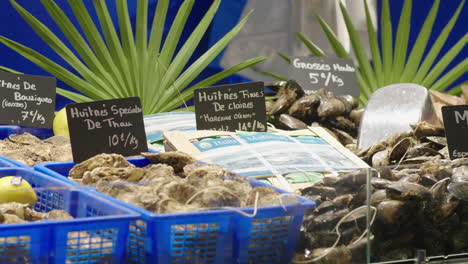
x=101 y=160
x=12 y=213
x=175 y=159
x=28 y=149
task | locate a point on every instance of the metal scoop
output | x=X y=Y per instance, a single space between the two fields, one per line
x=392 y=109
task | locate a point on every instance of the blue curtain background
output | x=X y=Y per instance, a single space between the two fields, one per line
x=420 y=11
x=14 y=27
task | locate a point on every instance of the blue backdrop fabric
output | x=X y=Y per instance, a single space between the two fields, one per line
x=419 y=13
x=14 y=27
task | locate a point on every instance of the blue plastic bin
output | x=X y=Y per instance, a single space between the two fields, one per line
x=41 y=133
x=217 y=236
x=6 y=164
x=97 y=234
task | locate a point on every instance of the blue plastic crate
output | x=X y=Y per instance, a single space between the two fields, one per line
x=41 y=133
x=217 y=236
x=98 y=233
x=6 y=164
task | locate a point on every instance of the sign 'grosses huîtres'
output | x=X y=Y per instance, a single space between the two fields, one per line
x=27 y=100
x=456 y=130
x=231 y=107
x=337 y=75
x=110 y=126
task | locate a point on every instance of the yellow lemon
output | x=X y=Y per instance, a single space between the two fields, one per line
x=16 y=189
x=61 y=124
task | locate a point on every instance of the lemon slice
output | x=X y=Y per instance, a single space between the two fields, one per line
x=16 y=189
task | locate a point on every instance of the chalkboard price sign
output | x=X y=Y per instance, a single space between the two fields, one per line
x=456 y=130
x=27 y=100
x=334 y=74
x=110 y=126
x=231 y=107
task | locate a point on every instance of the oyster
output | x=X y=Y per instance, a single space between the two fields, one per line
x=295 y=110
x=130 y=174
x=13 y=213
x=421 y=145
x=287 y=94
x=25 y=139
x=101 y=160
x=409 y=203
x=195 y=170
x=28 y=149
x=303 y=108
x=174 y=182
x=331 y=107
x=266 y=196
x=289 y=122
x=175 y=159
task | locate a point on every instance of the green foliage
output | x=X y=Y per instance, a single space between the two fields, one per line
x=126 y=63
x=391 y=63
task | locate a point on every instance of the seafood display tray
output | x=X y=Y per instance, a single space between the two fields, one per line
x=216 y=236
x=97 y=234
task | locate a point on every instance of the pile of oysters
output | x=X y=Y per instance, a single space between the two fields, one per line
x=293 y=108
x=29 y=150
x=13 y=213
x=411 y=207
x=426 y=142
x=173 y=182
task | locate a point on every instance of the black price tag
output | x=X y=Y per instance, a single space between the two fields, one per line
x=456 y=130
x=231 y=107
x=110 y=126
x=27 y=100
x=334 y=74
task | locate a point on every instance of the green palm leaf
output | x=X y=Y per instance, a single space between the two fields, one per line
x=438 y=44
x=359 y=50
x=189 y=47
x=420 y=45
x=78 y=42
x=128 y=44
x=202 y=62
x=374 y=45
x=314 y=49
x=451 y=76
x=336 y=45
x=401 y=45
x=390 y=61
x=188 y=93
x=97 y=43
x=60 y=48
x=284 y=57
x=77 y=97
x=175 y=32
x=273 y=75
x=128 y=63
x=52 y=67
x=387 y=42
x=444 y=61
x=113 y=44
x=5 y=69
x=74 y=96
